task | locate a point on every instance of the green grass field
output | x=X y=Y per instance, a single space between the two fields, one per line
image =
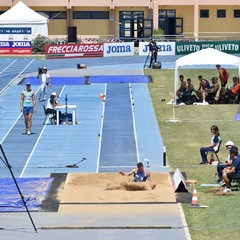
x=183 y=141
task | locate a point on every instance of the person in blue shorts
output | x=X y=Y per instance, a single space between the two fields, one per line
x=28 y=106
x=140 y=175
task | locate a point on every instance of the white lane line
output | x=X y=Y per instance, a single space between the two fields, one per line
x=8 y=66
x=184 y=222
x=10 y=128
x=133 y=118
x=16 y=76
x=101 y=129
x=29 y=157
x=117 y=166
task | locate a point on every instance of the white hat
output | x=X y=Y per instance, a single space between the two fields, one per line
x=229 y=143
x=54 y=94
x=45 y=68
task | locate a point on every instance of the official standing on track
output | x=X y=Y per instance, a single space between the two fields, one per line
x=28 y=106
x=45 y=82
x=153 y=48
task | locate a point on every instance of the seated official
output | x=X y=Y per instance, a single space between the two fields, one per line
x=51 y=104
x=215 y=141
x=228 y=163
x=232 y=173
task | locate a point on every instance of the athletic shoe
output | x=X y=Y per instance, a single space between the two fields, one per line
x=205 y=103
x=226 y=190
x=181 y=104
x=28 y=132
x=170 y=102
x=219 y=180
x=204 y=163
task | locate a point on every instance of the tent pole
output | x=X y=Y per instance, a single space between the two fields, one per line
x=174 y=104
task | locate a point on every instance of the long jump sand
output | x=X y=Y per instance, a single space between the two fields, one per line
x=111 y=188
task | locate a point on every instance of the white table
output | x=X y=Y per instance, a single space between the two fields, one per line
x=63 y=107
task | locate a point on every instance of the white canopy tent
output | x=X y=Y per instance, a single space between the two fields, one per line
x=21 y=16
x=208 y=56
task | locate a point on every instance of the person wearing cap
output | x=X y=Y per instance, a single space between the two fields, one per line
x=28 y=106
x=232 y=172
x=221 y=166
x=51 y=104
x=45 y=82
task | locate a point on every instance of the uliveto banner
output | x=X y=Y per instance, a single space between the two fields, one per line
x=74 y=50
x=232 y=47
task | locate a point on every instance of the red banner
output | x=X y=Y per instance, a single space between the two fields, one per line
x=15 y=50
x=74 y=50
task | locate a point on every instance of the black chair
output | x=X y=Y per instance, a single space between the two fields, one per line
x=49 y=116
x=216 y=152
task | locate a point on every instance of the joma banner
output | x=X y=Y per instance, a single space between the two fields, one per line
x=74 y=50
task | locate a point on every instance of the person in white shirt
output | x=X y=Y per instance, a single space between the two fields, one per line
x=45 y=82
x=51 y=103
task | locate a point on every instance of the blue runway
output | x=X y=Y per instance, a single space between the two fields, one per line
x=111 y=134
x=50 y=149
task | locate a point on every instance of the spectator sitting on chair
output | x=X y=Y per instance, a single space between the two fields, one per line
x=235 y=82
x=183 y=87
x=209 y=94
x=186 y=96
x=232 y=173
x=203 y=85
x=221 y=166
x=51 y=103
x=215 y=141
x=140 y=175
x=233 y=94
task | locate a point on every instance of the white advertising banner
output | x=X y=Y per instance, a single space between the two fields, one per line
x=118 y=49
x=166 y=48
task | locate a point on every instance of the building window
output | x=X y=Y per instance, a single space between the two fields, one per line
x=90 y=15
x=204 y=13
x=221 y=13
x=54 y=14
x=236 y=13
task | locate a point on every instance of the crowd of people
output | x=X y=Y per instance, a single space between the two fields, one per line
x=209 y=93
x=228 y=170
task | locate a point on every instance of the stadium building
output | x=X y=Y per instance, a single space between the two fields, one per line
x=192 y=19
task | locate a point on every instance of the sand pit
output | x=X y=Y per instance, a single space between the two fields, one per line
x=114 y=188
